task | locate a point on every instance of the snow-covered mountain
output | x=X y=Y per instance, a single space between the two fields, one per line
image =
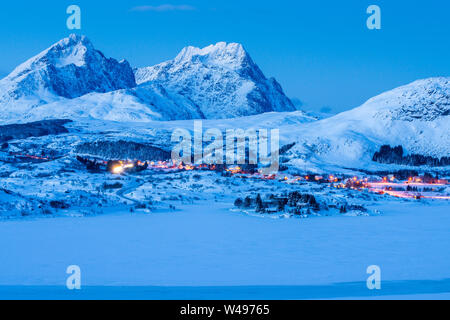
x=72 y=79
x=221 y=80
x=416 y=116
x=68 y=69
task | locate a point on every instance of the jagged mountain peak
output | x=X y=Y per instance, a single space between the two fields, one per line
x=70 y=68
x=223 y=53
x=70 y=50
x=76 y=52
x=220 y=57
x=221 y=79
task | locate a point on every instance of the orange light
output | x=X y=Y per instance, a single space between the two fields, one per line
x=117 y=169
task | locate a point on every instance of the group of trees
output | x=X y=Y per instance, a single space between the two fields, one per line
x=91 y=165
x=346 y=208
x=256 y=203
x=122 y=150
x=294 y=200
x=395 y=155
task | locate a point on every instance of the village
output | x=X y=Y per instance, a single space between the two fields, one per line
x=145 y=185
x=425 y=186
x=416 y=187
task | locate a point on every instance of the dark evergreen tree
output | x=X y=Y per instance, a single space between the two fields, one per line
x=247 y=202
x=259 y=204
x=238 y=203
x=281 y=206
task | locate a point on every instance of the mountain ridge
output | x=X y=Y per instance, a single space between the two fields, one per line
x=71 y=78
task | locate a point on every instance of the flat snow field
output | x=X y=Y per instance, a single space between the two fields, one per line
x=207 y=251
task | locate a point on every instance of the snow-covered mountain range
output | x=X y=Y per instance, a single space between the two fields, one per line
x=73 y=79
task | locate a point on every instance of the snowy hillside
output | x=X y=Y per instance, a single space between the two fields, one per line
x=415 y=116
x=141 y=104
x=425 y=100
x=222 y=80
x=68 y=69
x=347 y=140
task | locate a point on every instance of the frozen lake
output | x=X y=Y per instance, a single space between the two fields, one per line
x=207 y=251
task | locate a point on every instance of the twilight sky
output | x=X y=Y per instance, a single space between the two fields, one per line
x=320 y=51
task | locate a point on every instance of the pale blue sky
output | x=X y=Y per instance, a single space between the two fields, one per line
x=320 y=51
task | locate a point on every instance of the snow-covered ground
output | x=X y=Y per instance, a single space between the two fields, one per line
x=154 y=233
x=208 y=251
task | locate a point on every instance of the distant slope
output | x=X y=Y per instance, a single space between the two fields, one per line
x=415 y=116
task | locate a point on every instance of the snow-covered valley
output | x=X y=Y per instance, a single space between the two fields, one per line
x=164 y=234
x=86 y=178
